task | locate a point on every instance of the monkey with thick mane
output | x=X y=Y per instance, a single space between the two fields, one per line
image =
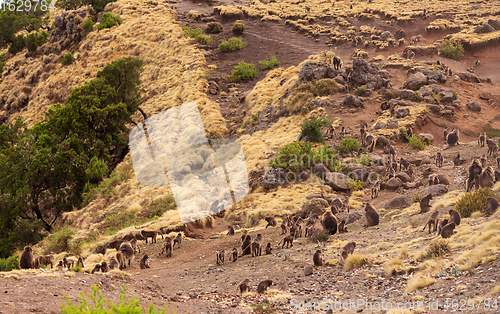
x=447 y=231
x=271 y=221
x=245 y=246
x=492 y=147
x=455 y=216
x=128 y=251
x=149 y=234
x=263 y=285
x=256 y=245
x=26 y=261
x=337 y=63
x=475 y=169
x=167 y=247
x=451 y=137
x=317 y=259
x=329 y=222
x=230 y=230
x=371 y=215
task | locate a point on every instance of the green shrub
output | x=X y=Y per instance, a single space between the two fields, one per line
x=437 y=249
x=18 y=44
x=67 y=58
x=244 y=72
x=76 y=269
x=360 y=91
x=233 y=44
x=88 y=26
x=99 y=303
x=323 y=87
x=119 y=220
x=298 y=156
x=269 y=64
x=214 y=28
x=192 y=32
x=2 y=63
x=320 y=237
x=491 y=132
x=9 y=263
x=109 y=20
x=34 y=40
x=354 y=185
x=204 y=39
x=348 y=145
x=158 y=207
x=59 y=240
x=455 y=95
x=363 y=159
x=238 y=28
x=312 y=128
x=474 y=201
x=415 y=142
x=108 y=185
x=453 y=50
x=298 y=99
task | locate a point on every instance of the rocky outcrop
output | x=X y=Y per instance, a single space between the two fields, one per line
x=400 y=201
x=312 y=70
x=415 y=81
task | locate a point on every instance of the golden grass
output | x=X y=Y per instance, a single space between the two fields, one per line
x=391 y=266
x=495 y=290
x=404 y=252
x=332 y=262
x=275 y=295
x=354 y=261
x=419 y=282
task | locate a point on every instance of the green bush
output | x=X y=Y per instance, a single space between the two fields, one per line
x=360 y=91
x=348 y=145
x=363 y=159
x=18 y=44
x=312 y=128
x=231 y=45
x=76 y=269
x=197 y=33
x=109 y=20
x=238 y=28
x=59 y=240
x=119 y=220
x=158 y=207
x=491 y=132
x=244 y=72
x=437 y=249
x=34 y=40
x=204 y=39
x=67 y=58
x=88 y=26
x=298 y=156
x=474 y=201
x=415 y=142
x=9 y=263
x=2 y=63
x=354 y=185
x=108 y=185
x=98 y=306
x=320 y=237
x=213 y=28
x=453 y=50
x=269 y=64
x=323 y=87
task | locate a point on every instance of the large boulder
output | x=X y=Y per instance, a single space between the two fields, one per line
x=312 y=70
x=402 y=112
x=495 y=24
x=434 y=108
x=484 y=28
x=474 y=106
x=379 y=125
x=407 y=94
x=447 y=96
x=353 y=101
x=436 y=190
x=320 y=170
x=400 y=201
x=403 y=176
x=393 y=184
x=426 y=137
x=274 y=178
x=469 y=77
x=337 y=181
x=415 y=81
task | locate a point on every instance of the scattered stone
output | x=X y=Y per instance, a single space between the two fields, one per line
x=426 y=137
x=425 y=91
x=337 y=181
x=415 y=81
x=308 y=271
x=474 y=106
x=436 y=190
x=495 y=24
x=392 y=123
x=447 y=95
x=312 y=70
x=400 y=201
x=486 y=95
x=457 y=104
x=407 y=94
x=469 y=77
x=403 y=176
x=386 y=35
x=353 y=101
x=434 y=108
x=401 y=113
x=379 y=125
x=320 y=170
x=393 y=184
x=484 y=28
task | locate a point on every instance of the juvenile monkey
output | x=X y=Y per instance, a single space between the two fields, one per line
x=121 y=260
x=455 y=217
x=149 y=234
x=492 y=147
x=409 y=171
x=271 y=221
x=317 y=259
x=96 y=268
x=178 y=240
x=346 y=251
x=220 y=257
x=482 y=139
x=432 y=220
x=268 y=248
x=447 y=231
x=245 y=246
x=230 y=230
x=113 y=263
x=256 y=246
x=288 y=240
x=486 y=178
x=375 y=189
x=80 y=262
x=234 y=255
x=342 y=227
x=167 y=247
x=439 y=159
x=144 y=263
x=283 y=228
x=492 y=207
x=104 y=267
x=244 y=286
x=441 y=224
x=457 y=161
x=424 y=204
x=26 y=261
x=371 y=215
x=263 y=285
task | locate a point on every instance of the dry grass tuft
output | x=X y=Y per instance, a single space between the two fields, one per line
x=419 y=282
x=404 y=252
x=496 y=290
x=393 y=266
x=437 y=249
x=355 y=261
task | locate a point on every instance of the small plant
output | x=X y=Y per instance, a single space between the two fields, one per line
x=59 y=240
x=455 y=95
x=474 y=201
x=67 y=58
x=213 y=28
x=244 y=72
x=323 y=87
x=2 y=63
x=437 y=249
x=355 y=261
x=453 y=50
x=491 y=132
x=88 y=26
x=18 y=44
x=231 y=45
x=109 y=20
x=76 y=269
x=269 y=64
x=9 y=263
x=360 y=91
x=238 y=28
x=354 y=185
x=204 y=39
x=348 y=145
x=415 y=142
x=192 y=32
x=363 y=159
x=418 y=97
x=312 y=128
x=320 y=237
x=34 y=40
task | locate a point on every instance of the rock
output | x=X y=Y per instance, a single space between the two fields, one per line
x=415 y=81
x=363 y=73
x=434 y=108
x=403 y=176
x=448 y=113
x=379 y=125
x=274 y=178
x=410 y=185
x=425 y=91
x=457 y=104
x=426 y=161
x=360 y=174
x=315 y=206
x=312 y=70
x=384 y=74
x=337 y=181
x=339 y=79
x=353 y=101
x=353 y=166
x=382 y=141
x=474 y=106
x=436 y=190
x=386 y=35
x=393 y=123
x=402 y=112
x=447 y=96
x=468 y=77
x=486 y=96
x=400 y=201
x=426 y=137
x=495 y=24
x=407 y=94
x=213 y=88
x=320 y=170
x=308 y=271
x=393 y=184
x=485 y=28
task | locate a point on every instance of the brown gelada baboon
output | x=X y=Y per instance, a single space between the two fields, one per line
x=96 y=268
x=128 y=251
x=149 y=234
x=424 y=204
x=441 y=224
x=256 y=246
x=337 y=63
x=113 y=263
x=220 y=257
x=178 y=240
x=432 y=220
x=342 y=227
x=447 y=231
x=243 y=236
x=283 y=228
x=271 y=221
x=455 y=217
x=80 y=262
x=329 y=222
x=439 y=159
x=317 y=259
x=268 y=248
x=68 y=263
x=234 y=255
x=144 y=263
x=492 y=147
x=26 y=260
x=452 y=137
x=230 y=230
x=245 y=246
x=347 y=250
x=371 y=215
x=244 y=286
x=263 y=285
x=121 y=260
x=104 y=267
x=167 y=247
x=375 y=189
x=482 y=139
x=492 y=207
x=288 y=240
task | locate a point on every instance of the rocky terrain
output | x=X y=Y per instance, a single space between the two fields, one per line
x=393 y=78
